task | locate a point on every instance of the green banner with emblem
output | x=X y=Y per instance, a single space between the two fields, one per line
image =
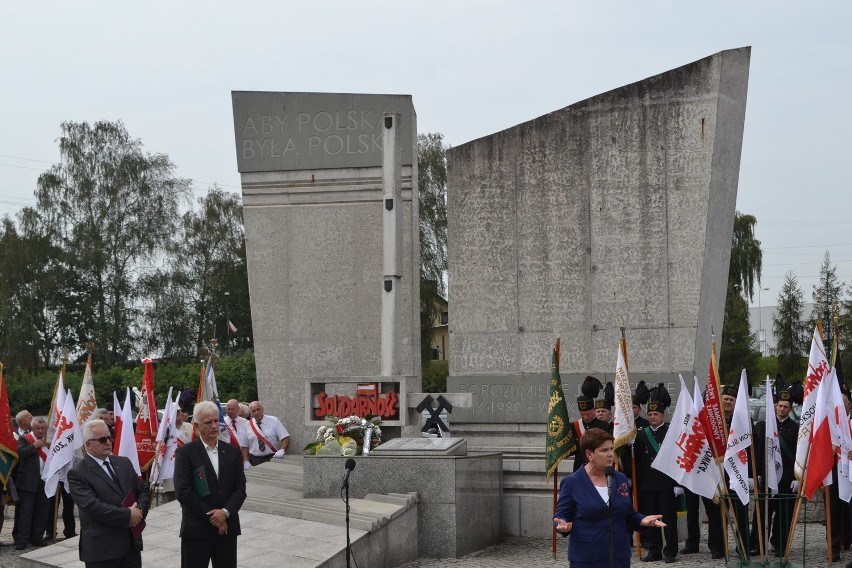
x=561 y=440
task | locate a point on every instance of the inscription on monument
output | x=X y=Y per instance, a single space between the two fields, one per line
x=294 y=131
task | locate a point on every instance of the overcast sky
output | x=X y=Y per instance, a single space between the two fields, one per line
x=473 y=67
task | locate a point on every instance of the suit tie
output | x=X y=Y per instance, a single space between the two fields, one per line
x=111 y=473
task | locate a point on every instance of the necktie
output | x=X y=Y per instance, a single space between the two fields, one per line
x=111 y=472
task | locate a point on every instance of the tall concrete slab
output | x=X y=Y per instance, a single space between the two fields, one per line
x=312 y=180
x=616 y=211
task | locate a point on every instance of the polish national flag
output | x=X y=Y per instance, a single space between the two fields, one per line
x=822 y=453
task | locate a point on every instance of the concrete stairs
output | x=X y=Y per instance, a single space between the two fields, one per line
x=282 y=527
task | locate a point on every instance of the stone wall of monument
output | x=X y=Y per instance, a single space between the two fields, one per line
x=616 y=211
x=311 y=167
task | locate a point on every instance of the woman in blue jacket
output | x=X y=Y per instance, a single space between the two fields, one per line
x=597 y=516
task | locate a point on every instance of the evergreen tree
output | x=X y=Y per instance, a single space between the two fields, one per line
x=826 y=297
x=790 y=330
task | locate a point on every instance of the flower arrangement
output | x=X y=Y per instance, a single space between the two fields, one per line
x=345 y=436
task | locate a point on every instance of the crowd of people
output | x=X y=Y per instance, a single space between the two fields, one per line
x=659 y=496
x=212 y=455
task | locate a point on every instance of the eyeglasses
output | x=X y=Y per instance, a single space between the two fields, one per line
x=102 y=439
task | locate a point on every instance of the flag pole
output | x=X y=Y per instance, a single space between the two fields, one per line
x=553 y=536
x=760 y=541
x=633 y=476
x=827 y=500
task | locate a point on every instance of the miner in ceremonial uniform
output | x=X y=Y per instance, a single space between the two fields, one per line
x=603 y=407
x=780 y=504
x=658 y=493
x=590 y=389
x=640 y=398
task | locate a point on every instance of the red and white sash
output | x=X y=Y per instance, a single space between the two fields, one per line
x=260 y=437
x=579 y=428
x=40 y=451
x=232 y=432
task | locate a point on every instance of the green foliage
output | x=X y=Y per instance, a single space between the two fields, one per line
x=791 y=335
x=112 y=209
x=235 y=378
x=738 y=349
x=432 y=186
x=763 y=366
x=435 y=376
x=746 y=255
x=826 y=299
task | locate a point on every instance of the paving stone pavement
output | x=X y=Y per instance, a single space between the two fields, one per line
x=518 y=552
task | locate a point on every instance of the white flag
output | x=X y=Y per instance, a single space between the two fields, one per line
x=56 y=406
x=168 y=467
x=817 y=368
x=87 y=403
x=124 y=433
x=773 y=444
x=685 y=452
x=739 y=440
x=164 y=433
x=67 y=438
x=624 y=425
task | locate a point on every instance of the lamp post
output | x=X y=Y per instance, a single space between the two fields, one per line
x=760 y=322
x=227 y=326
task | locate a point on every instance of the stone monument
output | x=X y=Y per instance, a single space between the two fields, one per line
x=613 y=212
x=329 y=186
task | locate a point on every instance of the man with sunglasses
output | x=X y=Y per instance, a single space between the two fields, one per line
x=111 y=499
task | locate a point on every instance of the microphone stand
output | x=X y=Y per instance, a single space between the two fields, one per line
x=348 y=543
x=609 y=510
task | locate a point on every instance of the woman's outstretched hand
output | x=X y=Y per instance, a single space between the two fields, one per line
x=652 y=521
x=562 y=525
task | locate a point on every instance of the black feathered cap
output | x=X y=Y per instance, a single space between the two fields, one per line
x=781 y=391
x=590 y=388
x=660 y=399
x=642 y=393
x=186 y=400
x=797 y=392
x=608 y=399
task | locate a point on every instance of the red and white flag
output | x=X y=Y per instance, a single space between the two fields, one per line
x=739 y=441
x=60 y=456
x=125 y=442
x=817 y=368
x=146 y=419
x=710 y=477
x=685 y=452
x=232 y=328
x=773 y=444
x=713 y=422
x=822 y=451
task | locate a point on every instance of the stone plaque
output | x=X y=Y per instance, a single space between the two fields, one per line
x=302 y=131
x=422 y=446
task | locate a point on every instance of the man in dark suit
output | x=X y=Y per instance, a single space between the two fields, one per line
x=31 y=517
x=211 y=487
x=100 y=483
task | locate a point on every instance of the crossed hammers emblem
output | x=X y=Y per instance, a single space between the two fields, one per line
x=434 y=420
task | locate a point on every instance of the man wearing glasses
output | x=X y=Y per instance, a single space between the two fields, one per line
x=111 y=500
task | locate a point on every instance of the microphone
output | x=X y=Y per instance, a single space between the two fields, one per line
x=350 y=465
x=609 y=471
